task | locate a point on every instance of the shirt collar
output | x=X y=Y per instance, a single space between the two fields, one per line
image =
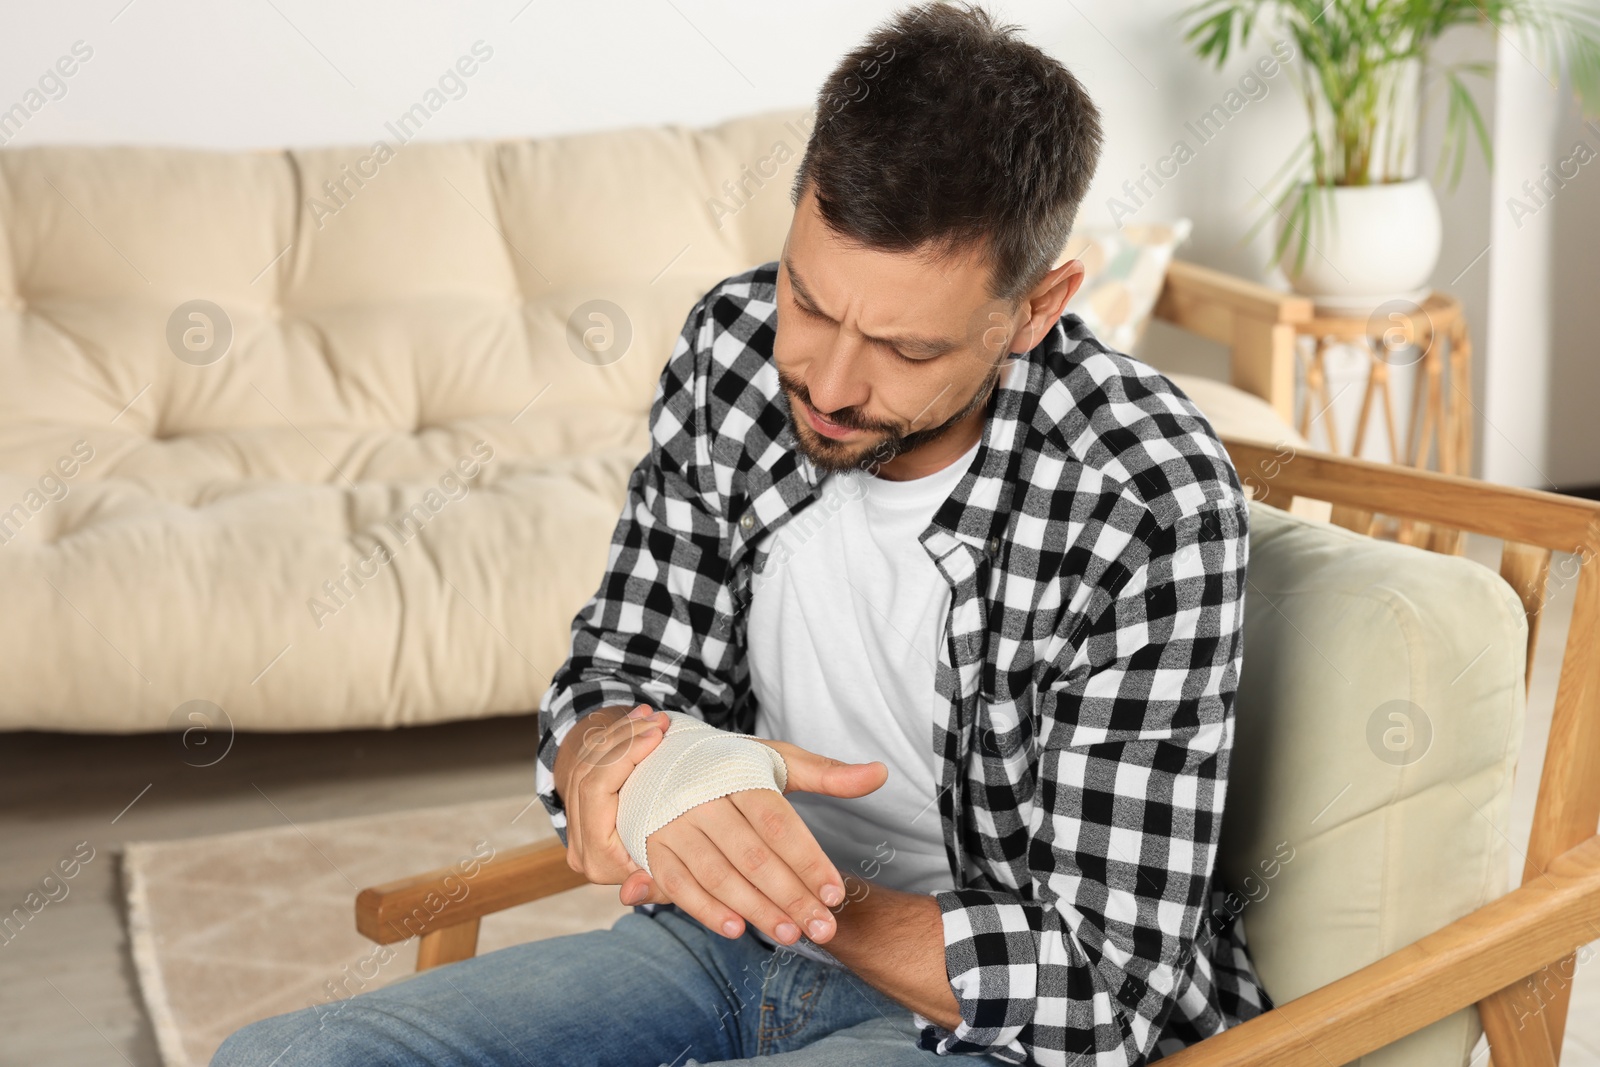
x=979 y=509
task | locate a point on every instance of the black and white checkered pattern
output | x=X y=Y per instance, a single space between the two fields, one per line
x=1096 y=552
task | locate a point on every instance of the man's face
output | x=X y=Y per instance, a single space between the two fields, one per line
x=881 y=353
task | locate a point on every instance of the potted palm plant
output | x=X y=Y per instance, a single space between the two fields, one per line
x=1356 y=224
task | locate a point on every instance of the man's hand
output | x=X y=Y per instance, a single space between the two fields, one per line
x=594 y=760
x=746 y=856
x=749 y=856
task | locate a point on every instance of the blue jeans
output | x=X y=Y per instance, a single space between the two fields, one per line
x=654 y=990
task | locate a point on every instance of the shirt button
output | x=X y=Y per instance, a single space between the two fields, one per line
x=994 y=545
x=747 y=520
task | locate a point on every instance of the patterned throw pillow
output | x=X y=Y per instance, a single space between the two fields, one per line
x=1124 y=270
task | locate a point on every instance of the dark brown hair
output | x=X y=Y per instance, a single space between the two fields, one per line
x=944 y=130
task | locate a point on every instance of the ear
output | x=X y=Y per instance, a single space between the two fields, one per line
x=1047 y=302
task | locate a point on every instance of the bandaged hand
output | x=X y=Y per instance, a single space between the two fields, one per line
x=743 y=855
x=696 y=763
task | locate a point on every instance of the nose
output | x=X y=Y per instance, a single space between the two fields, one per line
x=835 y=380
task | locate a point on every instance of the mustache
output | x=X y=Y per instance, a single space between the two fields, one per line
x=848 y=417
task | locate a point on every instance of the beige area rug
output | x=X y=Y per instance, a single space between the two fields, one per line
x=236 y=927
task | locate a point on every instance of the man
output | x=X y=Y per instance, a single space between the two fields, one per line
x=977 y=578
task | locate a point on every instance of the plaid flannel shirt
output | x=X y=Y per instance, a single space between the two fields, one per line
x=1096 y=553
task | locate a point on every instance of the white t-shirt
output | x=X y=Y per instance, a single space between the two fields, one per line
x=844 y=630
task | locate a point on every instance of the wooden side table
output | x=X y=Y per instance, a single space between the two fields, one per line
x=1398 y=334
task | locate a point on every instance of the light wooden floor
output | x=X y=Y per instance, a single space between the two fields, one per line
x=68 y=995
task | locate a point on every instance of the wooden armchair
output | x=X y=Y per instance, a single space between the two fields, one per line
x=1500 y=957
x=1513 y=957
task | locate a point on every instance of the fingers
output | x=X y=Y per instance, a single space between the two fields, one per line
x=811 y=773
x=693 y=870
x=747 y=857
x=600 y=739
x=626 y=742
x=770 y=872
x=640 y=888
x=782 y=831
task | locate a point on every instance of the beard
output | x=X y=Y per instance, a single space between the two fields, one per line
x=828 y=455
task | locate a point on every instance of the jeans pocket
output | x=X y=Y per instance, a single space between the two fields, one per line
x=794 y=1008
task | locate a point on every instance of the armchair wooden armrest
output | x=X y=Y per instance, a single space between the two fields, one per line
x=444 y=906
x=1256 y=322
x=1464 y=963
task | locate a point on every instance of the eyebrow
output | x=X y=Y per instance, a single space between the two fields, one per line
x=925 y=346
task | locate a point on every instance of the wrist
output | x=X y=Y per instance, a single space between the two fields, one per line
x=694 y=764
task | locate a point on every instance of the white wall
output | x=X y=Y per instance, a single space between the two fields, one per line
x=1572 y=441
x=267 y=73
x=1515 y=400
x=1541 y=408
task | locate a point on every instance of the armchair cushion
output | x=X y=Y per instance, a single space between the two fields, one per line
x=1236 y=413
x=1379 y=716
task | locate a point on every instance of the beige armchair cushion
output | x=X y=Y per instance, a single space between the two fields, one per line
x=1388 y=842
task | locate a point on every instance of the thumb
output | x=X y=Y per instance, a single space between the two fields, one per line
x=811 y=773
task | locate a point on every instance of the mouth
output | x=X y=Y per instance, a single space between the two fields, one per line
x=825 y=426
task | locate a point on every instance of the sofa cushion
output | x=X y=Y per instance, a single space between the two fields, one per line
x=1236 y=413
x=385 y=314
x=1379 y=716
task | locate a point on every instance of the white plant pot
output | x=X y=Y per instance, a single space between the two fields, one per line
x=1378 y=243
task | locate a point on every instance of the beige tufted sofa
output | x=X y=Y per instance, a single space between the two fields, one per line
x=370 y=477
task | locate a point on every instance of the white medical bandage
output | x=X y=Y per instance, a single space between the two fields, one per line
x=694 y=763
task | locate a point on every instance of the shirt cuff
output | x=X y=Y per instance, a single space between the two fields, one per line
x=991 y=945
x=1025 y=988
x=564 y=711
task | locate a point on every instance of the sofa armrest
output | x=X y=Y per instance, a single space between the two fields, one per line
x=1192 y=282
x=1255 y=321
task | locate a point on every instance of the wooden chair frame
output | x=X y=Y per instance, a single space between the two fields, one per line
x=1514 y=957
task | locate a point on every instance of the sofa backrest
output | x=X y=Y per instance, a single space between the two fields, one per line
x=1378 y=721
x=388 y=304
